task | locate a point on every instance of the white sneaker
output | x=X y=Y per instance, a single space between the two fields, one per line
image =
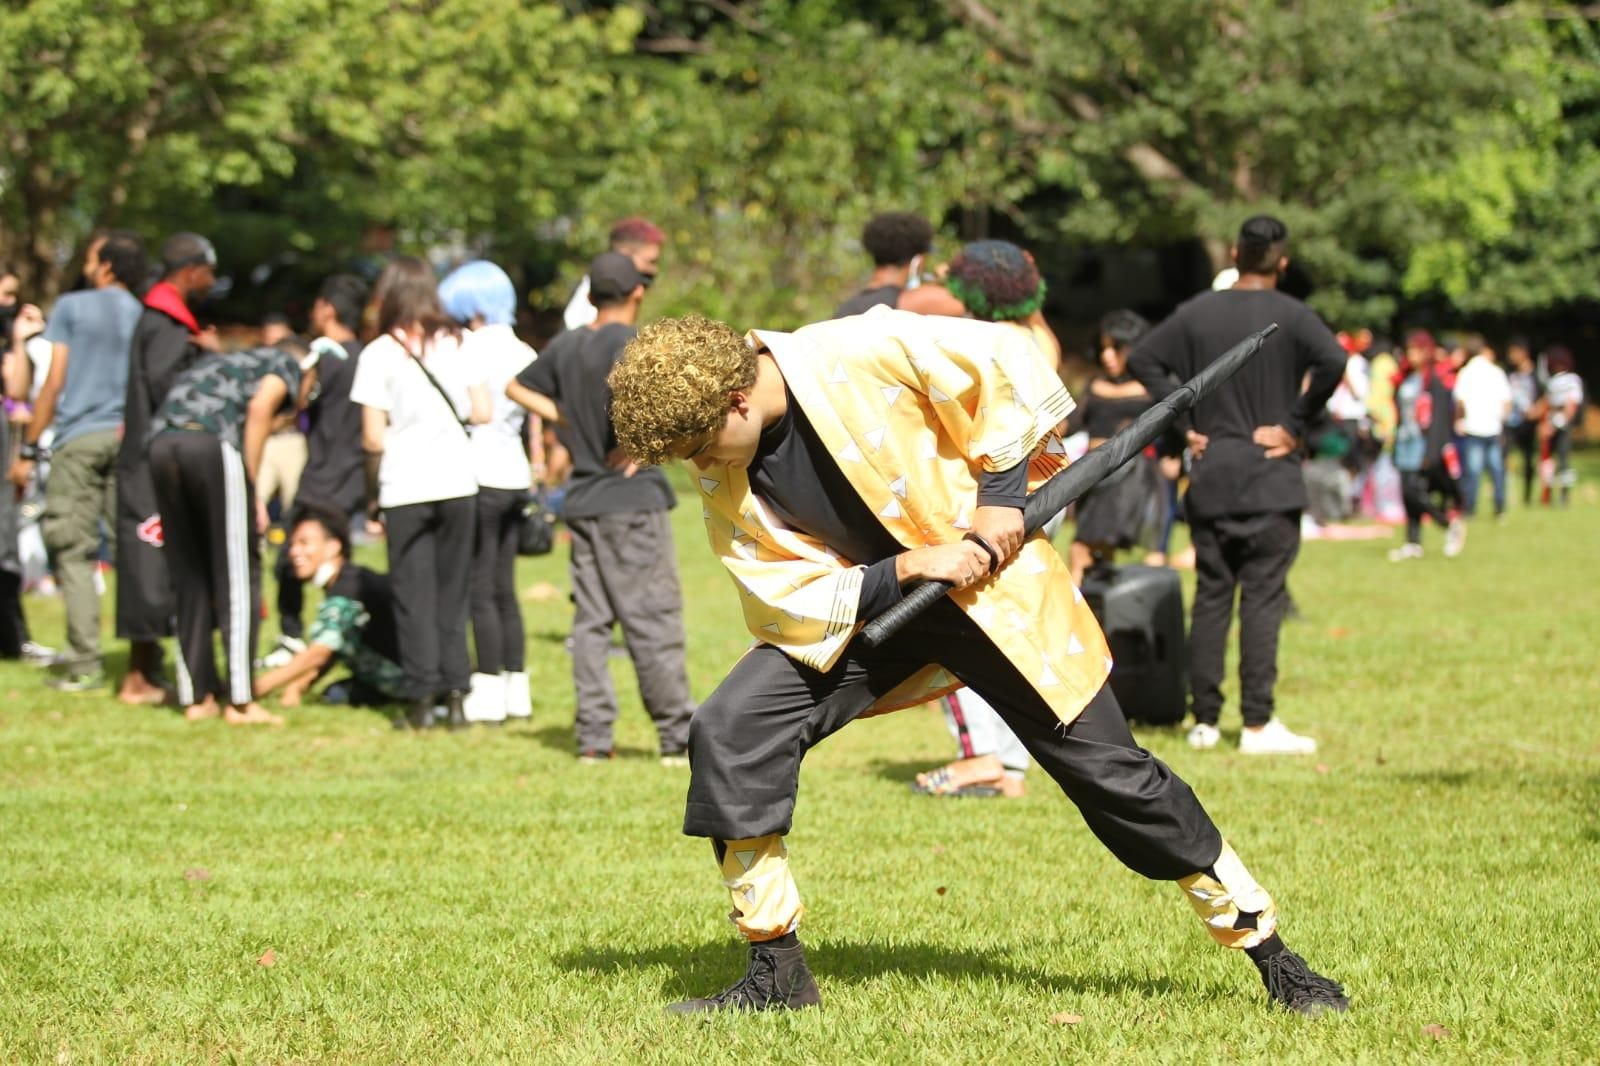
x=1204 y=737
x=487 y=700
x=1274 y=738
x=1455 y=538
x=519 y=699
x=1404 y=552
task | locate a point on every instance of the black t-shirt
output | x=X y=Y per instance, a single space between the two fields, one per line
x=1234 y=476
x=333 y=473
x=373 y=591
x=572 y=371
x=796 y=476
x=867 y=299
x=799 y=481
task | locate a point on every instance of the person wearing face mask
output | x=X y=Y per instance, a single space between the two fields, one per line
x=835 y=465
x=354 y=626
x=167 y=340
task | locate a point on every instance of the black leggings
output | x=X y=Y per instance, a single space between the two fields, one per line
x=496 y=620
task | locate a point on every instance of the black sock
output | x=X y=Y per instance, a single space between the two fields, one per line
x=1267 y=948
x=791 y=939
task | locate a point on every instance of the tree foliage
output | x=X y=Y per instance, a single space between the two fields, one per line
x=1436 y=151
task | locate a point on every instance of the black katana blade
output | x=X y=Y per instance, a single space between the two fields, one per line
x=1073 y=482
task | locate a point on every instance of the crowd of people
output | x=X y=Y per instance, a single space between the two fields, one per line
x=409 y=409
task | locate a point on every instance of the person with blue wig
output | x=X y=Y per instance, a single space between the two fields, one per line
x=480 y=297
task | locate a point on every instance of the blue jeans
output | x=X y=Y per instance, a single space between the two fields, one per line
x=1475 y=450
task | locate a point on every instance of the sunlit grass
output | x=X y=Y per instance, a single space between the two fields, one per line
x=483 y=897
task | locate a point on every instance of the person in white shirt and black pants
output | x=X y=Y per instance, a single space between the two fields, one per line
x=480 y=296
x=419 y=393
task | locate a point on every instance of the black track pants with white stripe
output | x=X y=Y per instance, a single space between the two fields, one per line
x=213 y=557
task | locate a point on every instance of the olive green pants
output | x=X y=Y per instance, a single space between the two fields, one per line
x=81 y=491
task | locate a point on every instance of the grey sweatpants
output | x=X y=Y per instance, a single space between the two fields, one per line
x=624 y=572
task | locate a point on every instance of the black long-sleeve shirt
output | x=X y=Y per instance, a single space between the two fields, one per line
x=1234 y=476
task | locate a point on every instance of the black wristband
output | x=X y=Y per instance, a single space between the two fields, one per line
x=32 y=452
x=994 y=556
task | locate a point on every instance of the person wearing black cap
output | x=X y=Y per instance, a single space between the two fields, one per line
x=1245 y=487
x=166 y=342
x=623 y=567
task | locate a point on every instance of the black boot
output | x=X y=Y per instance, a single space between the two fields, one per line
x=417 y=716
x=1295 y=986
x=777 y=979
x=455 y=704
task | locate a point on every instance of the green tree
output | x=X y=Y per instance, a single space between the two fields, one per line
x=1157 y=120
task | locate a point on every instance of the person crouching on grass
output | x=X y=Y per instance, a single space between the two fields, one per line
x=205 y=449
x=355 y=624
x=836 y=465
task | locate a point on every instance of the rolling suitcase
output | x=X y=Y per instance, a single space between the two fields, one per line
x=1140 y=608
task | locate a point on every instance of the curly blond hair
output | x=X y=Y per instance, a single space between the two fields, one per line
x=672 y=384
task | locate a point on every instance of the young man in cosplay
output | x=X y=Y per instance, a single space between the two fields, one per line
x=835 y=465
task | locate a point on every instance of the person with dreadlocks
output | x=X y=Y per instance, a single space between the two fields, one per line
x=835 y=465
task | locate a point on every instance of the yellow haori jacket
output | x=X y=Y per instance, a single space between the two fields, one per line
x=912 y=407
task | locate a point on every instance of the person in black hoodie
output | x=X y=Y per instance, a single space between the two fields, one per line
x=1245 y=487
x=167 y=341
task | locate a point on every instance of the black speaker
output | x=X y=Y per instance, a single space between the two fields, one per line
x=1140 y=608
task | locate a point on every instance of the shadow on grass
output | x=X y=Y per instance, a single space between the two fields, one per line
x=706 y=968
x=560 y=738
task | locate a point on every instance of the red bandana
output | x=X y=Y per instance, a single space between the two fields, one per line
x=166 y=299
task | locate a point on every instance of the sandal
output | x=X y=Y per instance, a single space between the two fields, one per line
x=941 y=782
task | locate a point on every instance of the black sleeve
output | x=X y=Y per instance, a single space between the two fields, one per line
x=880 y=590
x=1156 y=361
x=1321 y=355
x=1004 y=488
x=540 y=376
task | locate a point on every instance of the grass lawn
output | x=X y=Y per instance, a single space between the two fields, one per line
x=446 y=898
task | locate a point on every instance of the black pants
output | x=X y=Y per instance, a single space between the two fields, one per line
x=1525 y=439
x=430 y=559
x=496 y=619
x=208 y=520
x=1426 y=493
x=1250 y=554
x=291 y=595
x=13 y=626
x=747 y=741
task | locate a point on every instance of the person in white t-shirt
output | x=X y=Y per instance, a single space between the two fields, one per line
x=637 y=238
x=1483 y=403
x=480 y=296
x=419 y=392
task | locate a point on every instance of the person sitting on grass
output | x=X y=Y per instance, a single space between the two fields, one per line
x=354 y=626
